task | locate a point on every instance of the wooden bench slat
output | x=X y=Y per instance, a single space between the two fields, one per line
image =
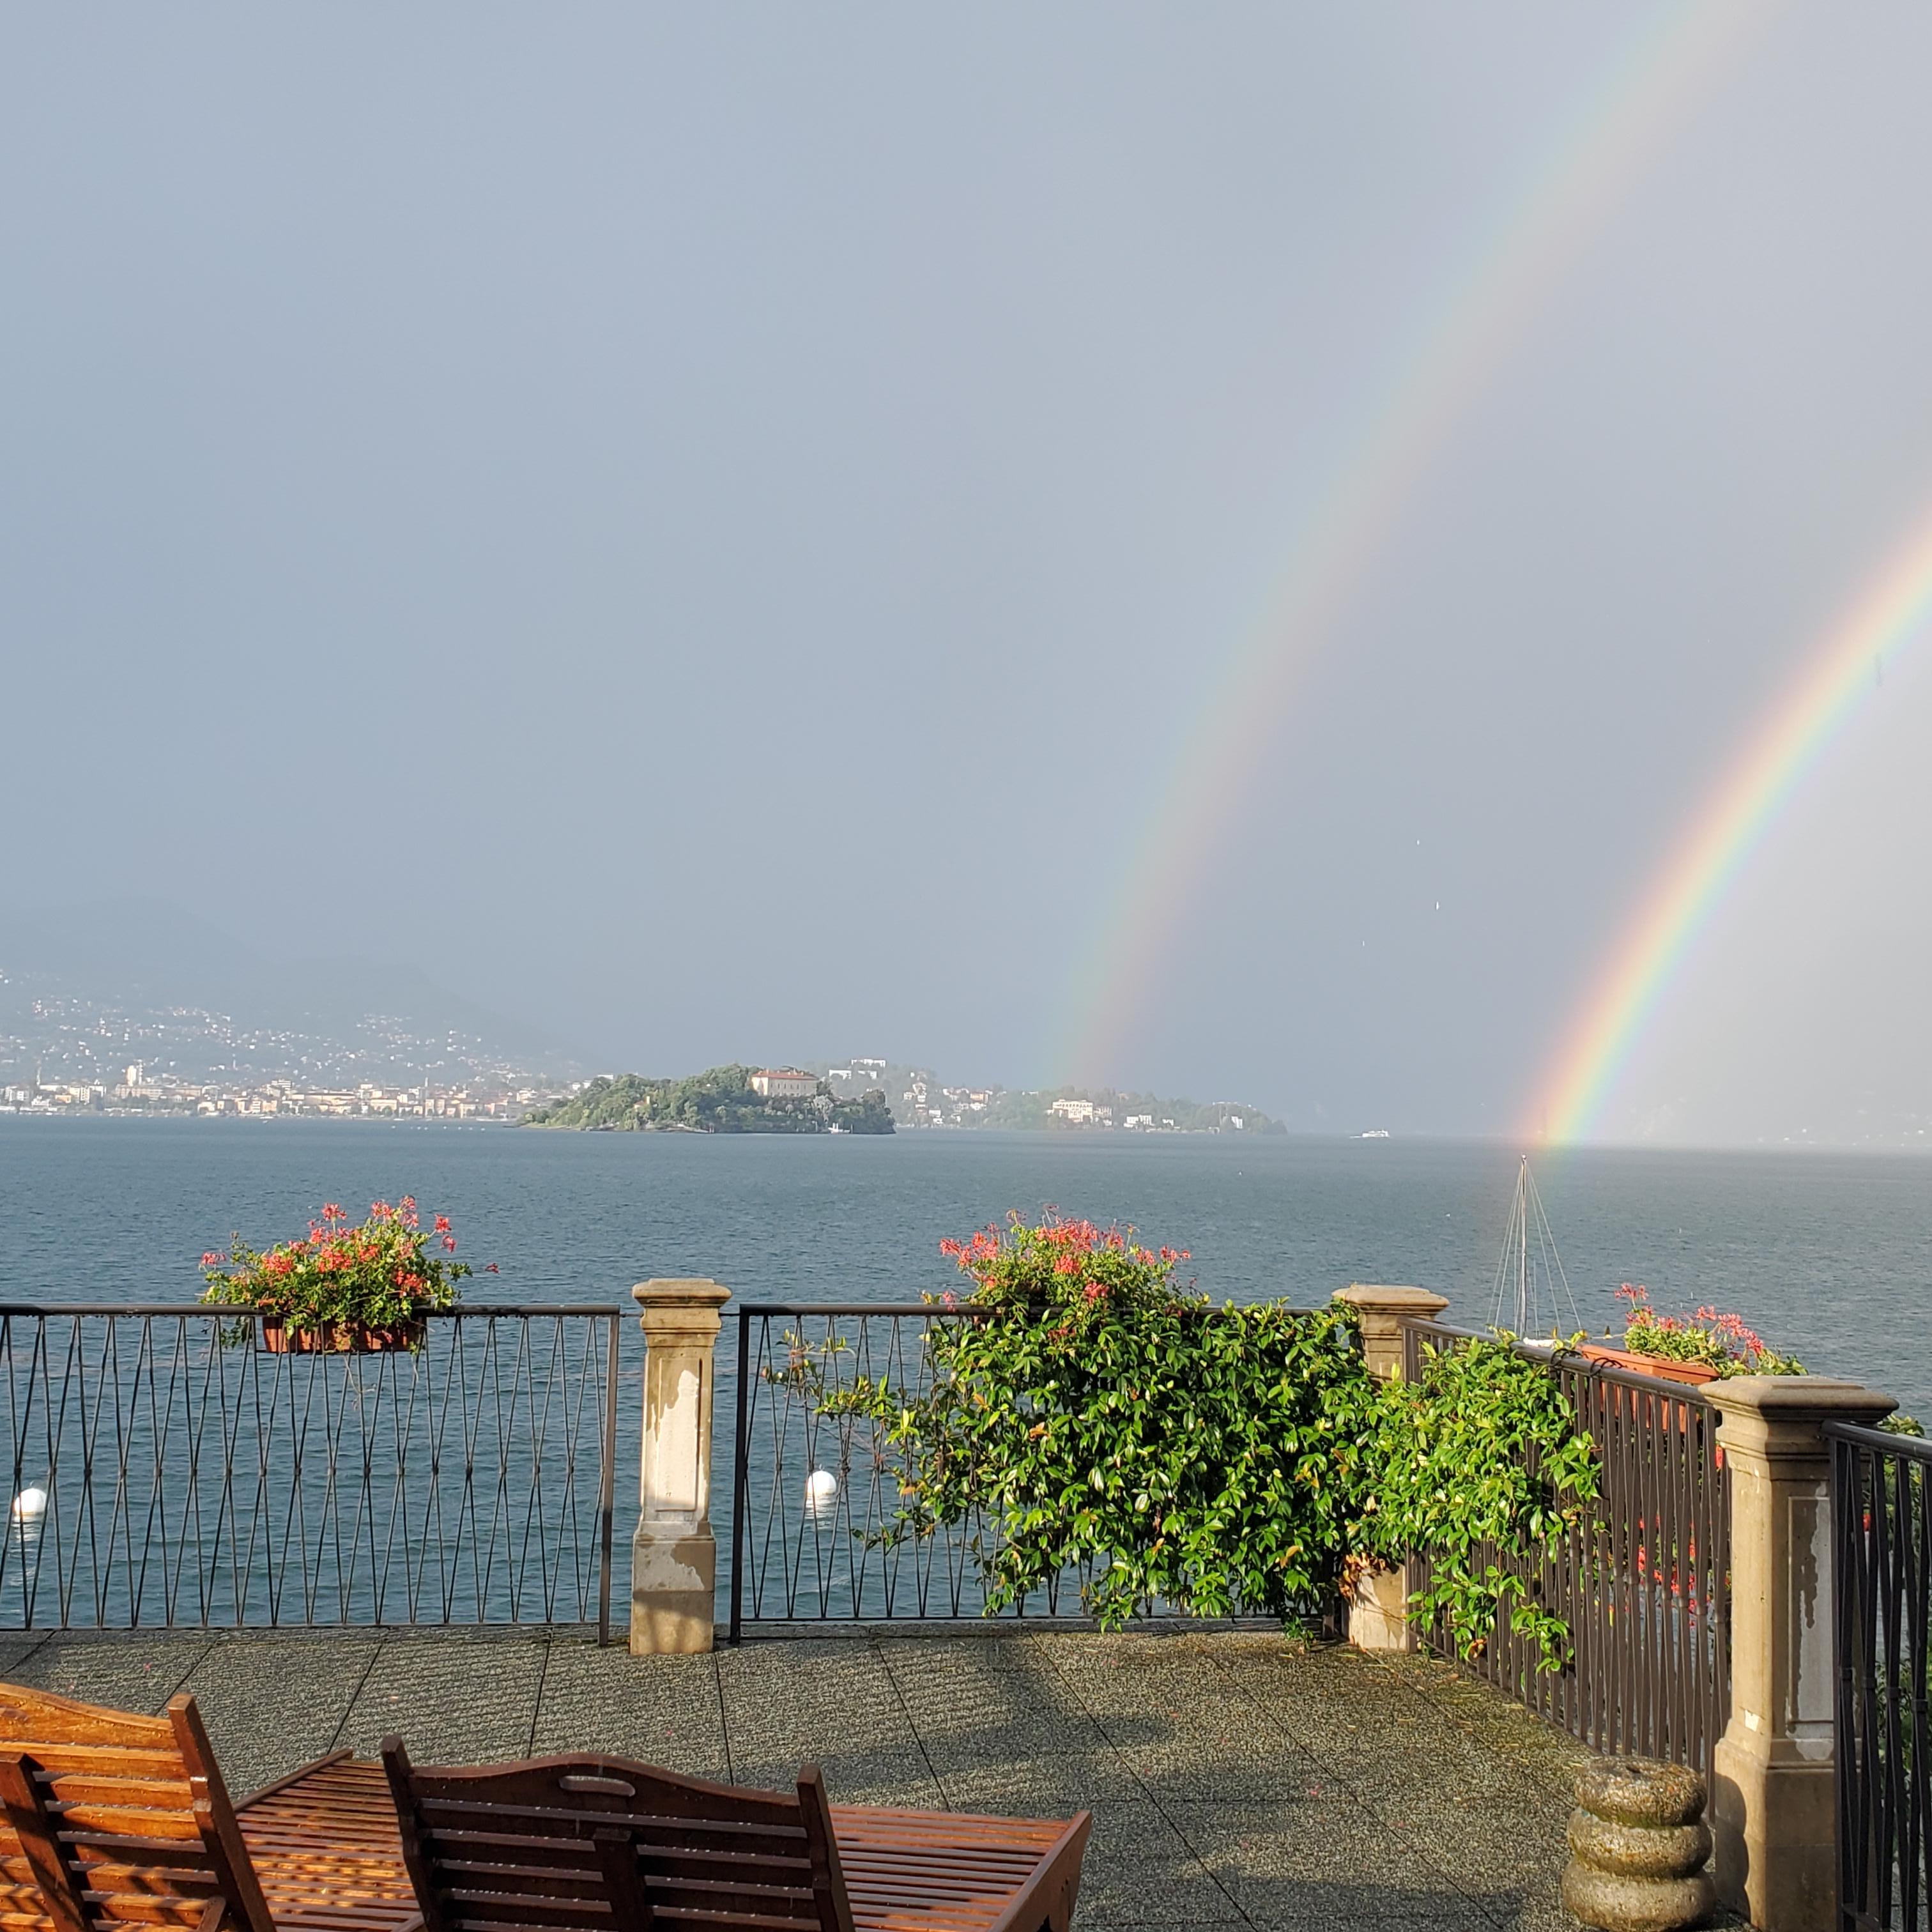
x=132 y=1817
x=493 y=1847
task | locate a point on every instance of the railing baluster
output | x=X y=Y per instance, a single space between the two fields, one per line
x=195 y=1480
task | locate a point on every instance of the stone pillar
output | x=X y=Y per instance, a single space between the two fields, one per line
x=1378 y=1616
x=674 y=1556
x=1773 y=1804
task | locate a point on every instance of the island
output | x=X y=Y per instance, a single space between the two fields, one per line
x=730 y=1100
x=919 y=1098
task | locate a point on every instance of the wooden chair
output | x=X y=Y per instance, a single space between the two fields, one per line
x=115 y=1819
x=602 y=1844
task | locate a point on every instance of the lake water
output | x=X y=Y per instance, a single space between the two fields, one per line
x=1826 y=1255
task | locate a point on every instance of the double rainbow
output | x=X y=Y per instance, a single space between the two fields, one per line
x=1894 y=611
x=1218 y=750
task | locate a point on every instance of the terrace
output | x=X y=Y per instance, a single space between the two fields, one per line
x=436 y=1538
x=1237 y=1778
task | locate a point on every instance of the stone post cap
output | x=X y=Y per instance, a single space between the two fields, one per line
x=680 y=1307
x=1369 y=1297
x=1797 y=1400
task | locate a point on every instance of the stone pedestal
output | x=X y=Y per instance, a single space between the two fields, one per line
x=674 y=1556
x=1378 y=1613
x=1773 y=1807
x=1638 y=1848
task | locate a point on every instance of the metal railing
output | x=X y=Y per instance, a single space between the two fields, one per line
x=814 y=1495
x=1881 y=1581
x=1643 y=1581
x=166 y=1468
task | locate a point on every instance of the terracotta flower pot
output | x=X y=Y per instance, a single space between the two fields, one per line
x=340 y=1338
x=1665 y=1368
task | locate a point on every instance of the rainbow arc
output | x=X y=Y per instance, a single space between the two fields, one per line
x=1624 y=123
x=1892 y=612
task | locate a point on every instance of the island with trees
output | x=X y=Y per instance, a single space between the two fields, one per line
x=720 y=1100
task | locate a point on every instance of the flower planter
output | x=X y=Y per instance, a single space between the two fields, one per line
x=340 y=1338
x=1665 y=1368
x=1659 y=1368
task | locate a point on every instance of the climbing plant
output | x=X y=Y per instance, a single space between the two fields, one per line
x=1476 y=1460
x=1086 y=1413
x=1094 y=1416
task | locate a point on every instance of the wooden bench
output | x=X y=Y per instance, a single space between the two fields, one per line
x=596 y=1843
x=115 y=1819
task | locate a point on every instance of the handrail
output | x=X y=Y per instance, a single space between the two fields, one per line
x=1690 y=1392
x=233 y=1311
x=1642 y=1580
x=746 y=1310
x=1914 y=1448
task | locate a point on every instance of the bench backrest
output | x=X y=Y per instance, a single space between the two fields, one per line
x=116 y=1820
x=595 y=1844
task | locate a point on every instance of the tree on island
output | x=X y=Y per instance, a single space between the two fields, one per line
x=720 y=1100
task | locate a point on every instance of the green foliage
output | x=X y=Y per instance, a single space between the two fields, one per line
x=1097 y=1417
x=720 y=1100
x=1476 y=1460
x=1094 y=1417
x=381 y=1273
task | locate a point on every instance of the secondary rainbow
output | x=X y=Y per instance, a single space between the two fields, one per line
x=1218 y=750
x=1893 y=612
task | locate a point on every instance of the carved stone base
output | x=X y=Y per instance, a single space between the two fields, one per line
x=1639 y=1848
x=672 y=1593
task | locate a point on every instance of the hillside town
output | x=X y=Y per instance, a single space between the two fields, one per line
x=135 y=1092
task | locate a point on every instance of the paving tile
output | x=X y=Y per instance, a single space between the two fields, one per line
x=973 y=1712
x=16 y=1647
x=663 y=1710
x=769 y=1687
x=851 y=1776
x=1281 y=1861
x=1050 y=1787
x=274 y=1702
x=1235 y=1778
x=139 y=1670
x=1139 y=1870
x=452 y=1702
x=1135 y=1898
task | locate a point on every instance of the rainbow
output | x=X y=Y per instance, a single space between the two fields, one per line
x=1894 y=611
x=1450 y=363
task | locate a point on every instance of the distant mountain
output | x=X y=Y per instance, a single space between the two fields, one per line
x=74 y=980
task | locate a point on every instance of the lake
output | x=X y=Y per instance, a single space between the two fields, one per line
x=1826 y=1255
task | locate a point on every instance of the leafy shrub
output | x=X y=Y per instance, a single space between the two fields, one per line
x=1476 y=1460
x=1099 y=1417
x=1096 y=1418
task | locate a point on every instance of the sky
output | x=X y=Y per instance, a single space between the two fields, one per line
x=708 y=530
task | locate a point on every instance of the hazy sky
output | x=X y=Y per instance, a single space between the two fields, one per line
x=704 y=527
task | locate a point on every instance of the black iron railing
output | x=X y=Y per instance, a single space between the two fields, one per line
x=1643 y=1581
x=1881 y=1581
x=166 y=1468
x=816 y=1496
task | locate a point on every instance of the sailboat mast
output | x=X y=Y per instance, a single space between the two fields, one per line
x=1522 y=1248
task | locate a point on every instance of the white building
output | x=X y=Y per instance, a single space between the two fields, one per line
x=1079 y=1110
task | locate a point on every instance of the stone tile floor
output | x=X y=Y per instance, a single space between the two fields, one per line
x=1236 y=1779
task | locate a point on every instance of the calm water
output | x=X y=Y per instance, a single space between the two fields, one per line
x=1825 y=1255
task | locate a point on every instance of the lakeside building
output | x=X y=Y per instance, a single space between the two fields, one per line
x=272 y=1097
x=784 y=1083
